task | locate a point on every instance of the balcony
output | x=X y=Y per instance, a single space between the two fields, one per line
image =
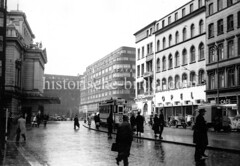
x=149 y=57
x=148 y=74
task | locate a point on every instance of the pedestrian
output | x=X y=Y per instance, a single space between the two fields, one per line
x=45 y=119
x=156 y=125
x=124 y=140
x=133 y=122
x=139 y=123
x=38 y=119
x=76 y=122
x=97 y=121
x=200 y=137
x=89 y=119
x=110 y=125
x=21 y=129
x=161 y=124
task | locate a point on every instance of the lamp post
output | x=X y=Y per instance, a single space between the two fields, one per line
x=215 y=48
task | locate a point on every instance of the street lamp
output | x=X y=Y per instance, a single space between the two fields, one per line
x=215 y=48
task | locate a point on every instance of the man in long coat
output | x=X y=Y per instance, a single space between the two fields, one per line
x=124 y=141
x=200 y=137
x=139 y=123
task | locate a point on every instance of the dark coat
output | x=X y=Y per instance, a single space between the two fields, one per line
x=124 y=138
x=200 y=131
x=139 y=122
x=133 y=121
x=110 y=124
x=161 y=120
x=156 y=124
x=76 y=122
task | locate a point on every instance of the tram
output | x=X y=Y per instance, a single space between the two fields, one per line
x=114 y=107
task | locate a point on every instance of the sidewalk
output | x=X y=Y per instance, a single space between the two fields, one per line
x=217 y=140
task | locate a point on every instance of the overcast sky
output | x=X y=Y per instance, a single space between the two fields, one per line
x=76 y=33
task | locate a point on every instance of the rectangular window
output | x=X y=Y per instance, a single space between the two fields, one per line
x=212 y=81
x=142 y=52
x=238 y=45
x=210 y=9
x=176 y=16
x=183 y=12
x=199 y=3
x=138 y=53
x=220 y=5
x=169 y=20
x=191 y=8
x=220 y=52
x=231 y=78
x=211 y=30
x=157 y=26
x=230 y=23
x=142 y=70
x=220 y=27
x=238 y=19
x=230 y=49
x=229 y=3
x=221 y=79
x=238 y=76
x=211 y=55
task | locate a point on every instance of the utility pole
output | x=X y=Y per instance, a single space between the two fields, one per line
x=3 y=27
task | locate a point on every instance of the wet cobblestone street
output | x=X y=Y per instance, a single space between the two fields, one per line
x=60 y=145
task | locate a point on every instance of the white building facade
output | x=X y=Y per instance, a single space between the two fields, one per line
x=178 y=64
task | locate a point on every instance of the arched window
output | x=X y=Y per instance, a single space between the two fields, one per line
x=170 y=62
x=177 y=59
x=184 y=34
x=170 y=83
x=164 y=63
x=176 y=37
x=192 y=54
x=158 y=65
x=170 y=40
x=184 y=79
x=177 y=81
x=184 y=57
x=192 y=30
x=193 y=78
x=200 y=26
x=201 y=77
x=201 y=51
x=158 y=45
x=164 y=43
x=164 y=84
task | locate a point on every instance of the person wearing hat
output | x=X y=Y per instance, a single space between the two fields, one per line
x=200 y=137
x=124 y=140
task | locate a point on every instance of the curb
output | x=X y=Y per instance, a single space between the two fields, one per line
x=176 y=143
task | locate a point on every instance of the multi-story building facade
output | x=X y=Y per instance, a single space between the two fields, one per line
x=223 y=53
x=177 y=64
x=110 y=77
x=25 y=63
x=145 y=68
x=67 y=89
